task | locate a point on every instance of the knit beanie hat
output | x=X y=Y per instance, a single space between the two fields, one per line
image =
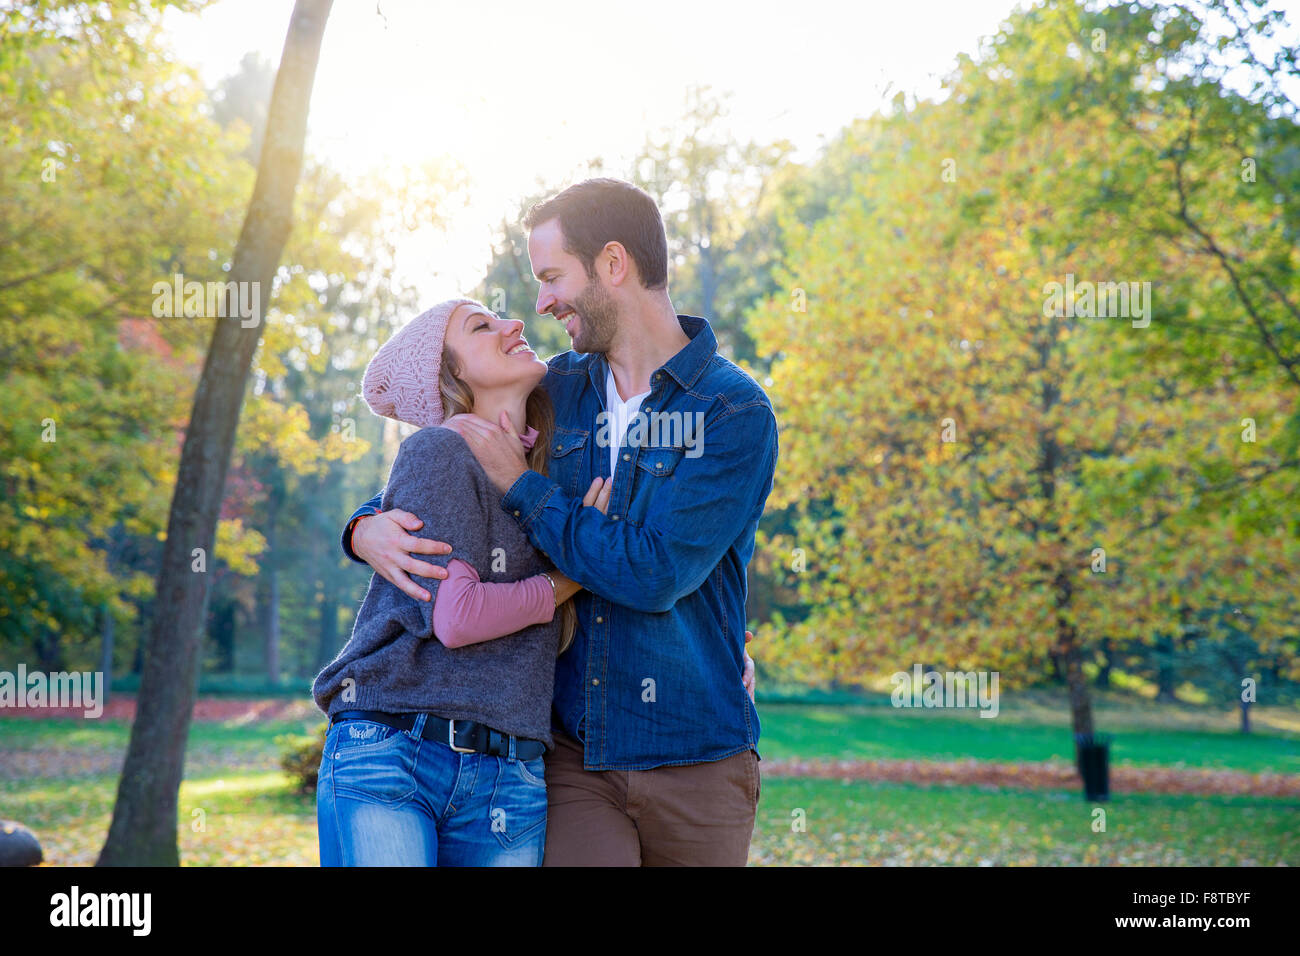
x=401 y=381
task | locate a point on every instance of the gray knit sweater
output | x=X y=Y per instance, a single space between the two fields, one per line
x=393 y=663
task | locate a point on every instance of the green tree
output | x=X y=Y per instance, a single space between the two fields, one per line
x=984 y=474
x=96 y=132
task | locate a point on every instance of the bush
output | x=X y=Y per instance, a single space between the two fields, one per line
x=300 y=757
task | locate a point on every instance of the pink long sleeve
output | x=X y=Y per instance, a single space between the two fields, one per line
x=469 y=611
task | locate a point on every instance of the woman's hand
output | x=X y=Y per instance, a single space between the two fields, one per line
x=597 y=495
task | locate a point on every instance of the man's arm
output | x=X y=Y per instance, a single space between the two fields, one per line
x=371 y=507
x=388 y=547
x=692 y=521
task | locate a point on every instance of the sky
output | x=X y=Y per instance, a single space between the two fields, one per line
x=523 y=94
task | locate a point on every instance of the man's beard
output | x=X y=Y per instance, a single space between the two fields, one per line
x=597 y=319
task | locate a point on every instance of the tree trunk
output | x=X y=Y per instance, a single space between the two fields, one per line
x=223 y=636
x=1058 y=672
x=271 y=609
x=1071 y=656
x=143 y=830
x=1067 y=654
x=49 y=652
x=1245 y=716
x=1166 y=675
x=137 y=658
x=708 y=280
x=106 y=648
x=1107 y=662
x=273 y=630
x=329 y=629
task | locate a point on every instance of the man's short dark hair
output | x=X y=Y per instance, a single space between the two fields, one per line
x=597 y=211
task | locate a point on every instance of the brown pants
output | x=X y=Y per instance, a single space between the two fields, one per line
x=701 y=814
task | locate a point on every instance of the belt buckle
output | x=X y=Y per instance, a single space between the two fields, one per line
x=451 y=740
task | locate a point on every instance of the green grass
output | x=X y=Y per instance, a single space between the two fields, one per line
x=25 y=732
x=891 y=824
x=243 y=818
x=60 y=777
x=873 y=733
x=251 y=818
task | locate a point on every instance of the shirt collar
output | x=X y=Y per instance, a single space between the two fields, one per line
x=689 y=364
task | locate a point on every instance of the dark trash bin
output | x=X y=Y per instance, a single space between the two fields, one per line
x=1093 y=755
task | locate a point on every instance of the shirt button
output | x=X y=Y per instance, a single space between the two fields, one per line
x=594 y=682
x=659 y=464
x=516 y=514
x=614 y=517
x=627 y=457
x=559 y=447
x=600 y=620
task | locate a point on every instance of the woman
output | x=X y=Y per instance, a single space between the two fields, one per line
x=440 y=710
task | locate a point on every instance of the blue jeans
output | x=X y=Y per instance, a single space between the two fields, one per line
x=385 y=797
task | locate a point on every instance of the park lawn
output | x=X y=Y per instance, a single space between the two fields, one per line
x=252 y=818
x=1158 y=736
x=881 y=733
x=59 y=777
x=244 y=818
x=205 y=735
x=892 y=824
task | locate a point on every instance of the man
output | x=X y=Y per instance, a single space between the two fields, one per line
x=655 y=760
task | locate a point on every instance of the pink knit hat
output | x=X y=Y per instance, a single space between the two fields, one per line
x=401 y=381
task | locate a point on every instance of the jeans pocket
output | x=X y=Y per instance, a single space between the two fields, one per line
x=372 y=761
x=532 y=771
x=518 y=807
x=353 y=736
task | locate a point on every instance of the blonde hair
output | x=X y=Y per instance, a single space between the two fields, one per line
x=539 y=413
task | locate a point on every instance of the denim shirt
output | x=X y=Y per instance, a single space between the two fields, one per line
x=653 y=677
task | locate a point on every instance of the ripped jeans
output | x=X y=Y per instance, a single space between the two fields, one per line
x=385 y=797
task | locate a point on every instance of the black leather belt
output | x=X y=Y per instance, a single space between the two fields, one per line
x=462 y=736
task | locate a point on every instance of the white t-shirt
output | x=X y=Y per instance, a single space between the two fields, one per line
x=620 y=413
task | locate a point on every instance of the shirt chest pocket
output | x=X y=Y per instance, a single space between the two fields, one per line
x=655 y=472
x=568 y=457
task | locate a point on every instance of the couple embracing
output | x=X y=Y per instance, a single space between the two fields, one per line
x=564 y=679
